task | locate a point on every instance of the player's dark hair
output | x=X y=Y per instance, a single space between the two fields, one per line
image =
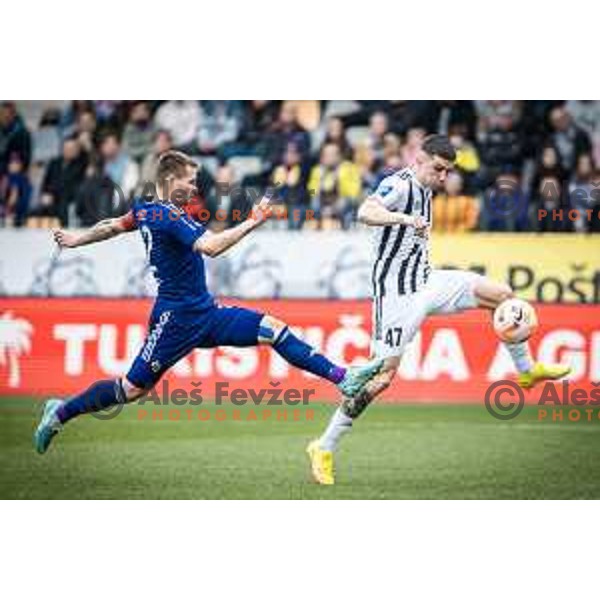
x=439 y=145
x=173 y=163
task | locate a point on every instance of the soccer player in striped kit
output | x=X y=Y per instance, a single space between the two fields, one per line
x=406 y=289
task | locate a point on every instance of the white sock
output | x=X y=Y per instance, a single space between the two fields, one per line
x=338 y=426
x=521 y=356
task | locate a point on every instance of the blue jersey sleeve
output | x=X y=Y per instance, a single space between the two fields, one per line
x=184 y=229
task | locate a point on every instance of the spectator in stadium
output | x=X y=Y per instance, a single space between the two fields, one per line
x=308 y=113
x=335 y=188
x=94 y=199
x=220 y=124
x=17 y=193
x=448 y=115
x=406 y=114
x=392 y=156
x=364 y=159
x=548 y=189
x=548 y=196
x=378 y=127
x=499 y=138
x=229 y=203
x=118 y=166
x=467 y=158
x=286 y=130
x=85 y=131
x=181 y=118
x=335 y=133
x=505 y=205
x=46 y=139
x=61 y=180
x=569 y=140
x=414 y=141
x=582 y=192
x=110 y=113
x=494 y=114
x=14 y=138
x=453 y=210
x=70 y=115
x=162 y=143
x=509 y=135
x=392 y=147
x=138 y=134
x=549 y=166
x=535 y=122
x=393 y=163
x=586 y=116
x=259 y=119
x=290 y=179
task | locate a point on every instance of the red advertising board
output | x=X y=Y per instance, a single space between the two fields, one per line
x=58 y=346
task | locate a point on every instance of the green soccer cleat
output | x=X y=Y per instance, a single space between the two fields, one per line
x=49 y=426
x=357 y=377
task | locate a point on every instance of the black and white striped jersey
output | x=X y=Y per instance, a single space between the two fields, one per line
x=401 y=262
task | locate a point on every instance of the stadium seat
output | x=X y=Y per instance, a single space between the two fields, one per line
x=245 y=166
x=339 y=108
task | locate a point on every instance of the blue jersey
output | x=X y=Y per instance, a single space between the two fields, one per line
x=169 y=236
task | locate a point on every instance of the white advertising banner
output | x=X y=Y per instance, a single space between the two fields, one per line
x=302 y=264
x=268 y=264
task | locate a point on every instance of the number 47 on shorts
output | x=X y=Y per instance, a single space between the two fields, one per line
x=393 y=336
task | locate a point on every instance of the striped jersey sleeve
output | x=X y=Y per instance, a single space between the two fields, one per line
x=392 y=192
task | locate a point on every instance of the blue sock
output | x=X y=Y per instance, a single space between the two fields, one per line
x=98 y=396
x=303 y=356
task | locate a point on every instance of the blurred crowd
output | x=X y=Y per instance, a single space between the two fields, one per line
x=73 y=163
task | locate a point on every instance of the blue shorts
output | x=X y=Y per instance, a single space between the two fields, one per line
x=175 y=332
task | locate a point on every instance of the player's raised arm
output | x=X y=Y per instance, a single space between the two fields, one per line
x=103 y=230
x=213 y=244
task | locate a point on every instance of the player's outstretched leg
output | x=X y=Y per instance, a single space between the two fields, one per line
x=321 y=450
x=99 y=396
x=490 y=294
x=350 y=381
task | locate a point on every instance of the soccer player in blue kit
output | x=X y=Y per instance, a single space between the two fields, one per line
x=185 y=315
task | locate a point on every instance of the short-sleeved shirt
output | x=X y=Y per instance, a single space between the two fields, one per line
x=169 y=235
x=401 y=262
x=185 y=315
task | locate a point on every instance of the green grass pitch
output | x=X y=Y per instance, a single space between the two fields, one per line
x=395 y=451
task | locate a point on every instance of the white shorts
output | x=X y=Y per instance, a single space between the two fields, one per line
x=397 y=319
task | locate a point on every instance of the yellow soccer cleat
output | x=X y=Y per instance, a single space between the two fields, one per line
x=542 y=372
x=321 y=463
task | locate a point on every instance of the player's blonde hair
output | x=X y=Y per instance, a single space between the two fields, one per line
x=173 y=164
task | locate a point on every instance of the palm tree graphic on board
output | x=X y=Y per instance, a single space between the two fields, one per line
x=15 y=340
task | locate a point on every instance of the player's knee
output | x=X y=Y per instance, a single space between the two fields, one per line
x=132 y=392
x=504 y=292
x=493 y=292
x=270 y=330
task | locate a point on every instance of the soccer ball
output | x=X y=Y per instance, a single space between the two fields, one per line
x=515 y=320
